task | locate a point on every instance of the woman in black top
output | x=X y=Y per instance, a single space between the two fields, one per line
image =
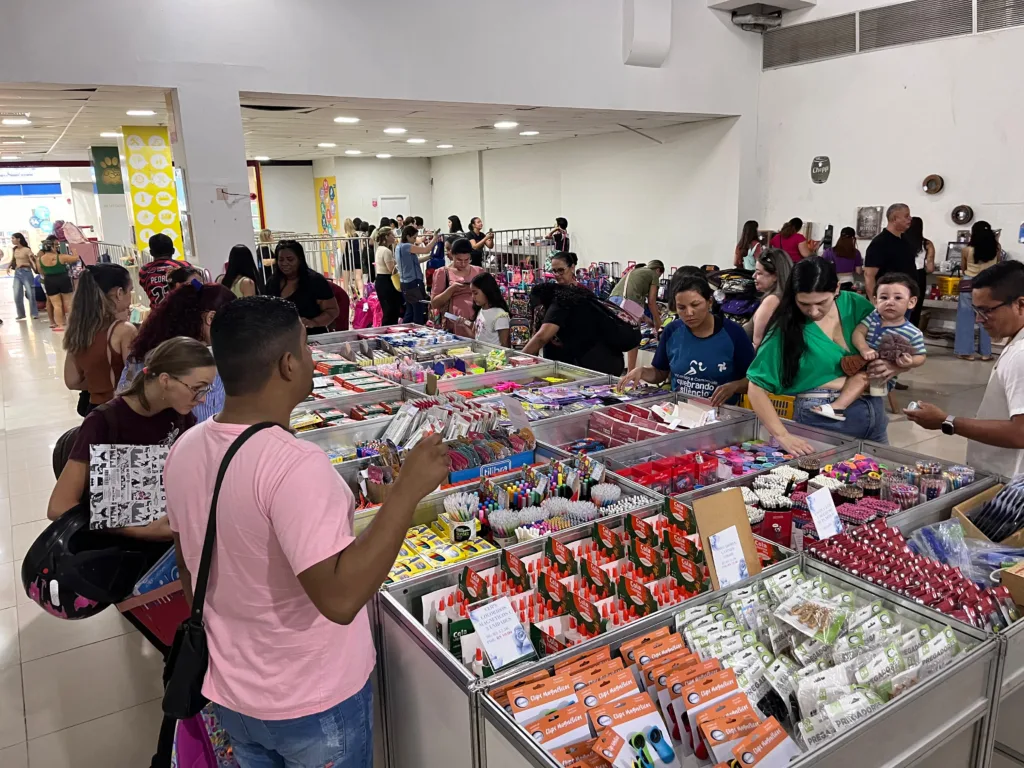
x=478 y=239
x=573 y=326
x=309 y=291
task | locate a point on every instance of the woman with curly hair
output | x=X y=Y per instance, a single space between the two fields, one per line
x=188 y=311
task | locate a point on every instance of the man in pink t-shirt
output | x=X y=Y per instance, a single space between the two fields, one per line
x=290 y=645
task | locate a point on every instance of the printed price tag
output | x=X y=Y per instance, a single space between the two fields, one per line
x=727 y=552
x=501 y=635
x=823 y=512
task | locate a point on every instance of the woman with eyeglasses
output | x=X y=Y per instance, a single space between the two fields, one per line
x=771 y=275
x=980 y=253
x=155 y=410
x=563 y=267
x=187 y=312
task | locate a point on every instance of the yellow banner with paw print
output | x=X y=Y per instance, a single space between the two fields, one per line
x=149 y=178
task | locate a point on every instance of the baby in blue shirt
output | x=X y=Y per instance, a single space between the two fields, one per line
x=896 y=295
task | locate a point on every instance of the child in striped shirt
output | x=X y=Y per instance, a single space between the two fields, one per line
x=895 y=296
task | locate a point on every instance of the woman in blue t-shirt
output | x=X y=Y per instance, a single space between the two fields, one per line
x=705 y=355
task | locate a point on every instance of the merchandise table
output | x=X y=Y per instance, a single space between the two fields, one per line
x=414 y=671
x=884 y=454
x=939 y=723
x=558 y=432
x=715 y=437
x=429 y=697
x=541 y=370
x=1008 y=706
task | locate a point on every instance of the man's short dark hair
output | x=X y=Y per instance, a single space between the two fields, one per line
x=899 y=278
x=418 y=220
x=462 y=245
x=1005 y=280
x=161 y=246
x=249 y=336
x=562 y=222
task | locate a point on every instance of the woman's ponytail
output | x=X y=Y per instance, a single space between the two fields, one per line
x=91 y=308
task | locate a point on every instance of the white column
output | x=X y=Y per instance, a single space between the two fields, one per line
x=208 y=143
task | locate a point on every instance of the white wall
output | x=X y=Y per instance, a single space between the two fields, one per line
x=288 y=197
x=361 y=180
x=626 y=197
x=574 y=52
x=889 y=118
x=456 y=187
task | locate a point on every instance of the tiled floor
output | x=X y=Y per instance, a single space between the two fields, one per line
x=85 y=693
x=72 y=693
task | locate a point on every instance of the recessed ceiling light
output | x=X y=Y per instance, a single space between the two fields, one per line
x=111 y=135
x=353 y=152
x=415 y=141
x=528 y=133
x=140 y=113
x=16 y=121
x=261 y=158
x=383 y=156
x=10 y=143
x=444 y=146
x=505 y=124
x=394 y=130
x=348 y=120
x=326 y=144
x=8 y=157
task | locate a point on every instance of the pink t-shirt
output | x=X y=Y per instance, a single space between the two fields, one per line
x=790 y=245
x=282 y=509
x=462 y=304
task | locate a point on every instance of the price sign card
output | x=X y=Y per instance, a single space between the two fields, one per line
x=502 y=636
x=727 y=553
x=823 y=512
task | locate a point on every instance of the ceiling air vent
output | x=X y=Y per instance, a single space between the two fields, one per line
x=799 y=43
x=999 y=14
x=914 y=22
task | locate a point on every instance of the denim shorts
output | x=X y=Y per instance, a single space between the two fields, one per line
x=339 y=737
x=866 y=419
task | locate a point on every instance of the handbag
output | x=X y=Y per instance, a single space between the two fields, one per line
x=185 y=669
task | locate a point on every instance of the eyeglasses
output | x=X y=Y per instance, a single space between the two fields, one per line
x=197 y=392
x=559 y=270
x=984 y=313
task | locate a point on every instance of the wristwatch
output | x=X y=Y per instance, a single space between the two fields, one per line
x=948 y=428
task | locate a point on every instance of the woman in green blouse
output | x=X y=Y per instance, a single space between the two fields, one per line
x=807 y=338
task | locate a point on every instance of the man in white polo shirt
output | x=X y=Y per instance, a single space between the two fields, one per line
x=995 y=437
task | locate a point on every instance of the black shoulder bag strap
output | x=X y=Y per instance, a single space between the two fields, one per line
x=185 y=668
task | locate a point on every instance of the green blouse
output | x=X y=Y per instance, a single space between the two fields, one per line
x=820 y=362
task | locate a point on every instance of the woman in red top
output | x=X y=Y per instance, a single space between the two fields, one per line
x=792 y=242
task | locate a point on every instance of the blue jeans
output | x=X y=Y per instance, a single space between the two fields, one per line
x=25 y=281
x=340 y=737
x=965 y=323
x=865 y=419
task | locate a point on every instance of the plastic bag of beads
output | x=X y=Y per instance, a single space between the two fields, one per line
x=817 y=619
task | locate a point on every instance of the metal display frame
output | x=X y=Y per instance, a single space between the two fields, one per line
x=574 y=374
x=1008 y=703
x=424 y=688
x=885 y=453
x=907 y=731
x=559 y=430
x=825 y=443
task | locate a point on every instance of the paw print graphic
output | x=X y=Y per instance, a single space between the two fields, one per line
x=110 y=170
